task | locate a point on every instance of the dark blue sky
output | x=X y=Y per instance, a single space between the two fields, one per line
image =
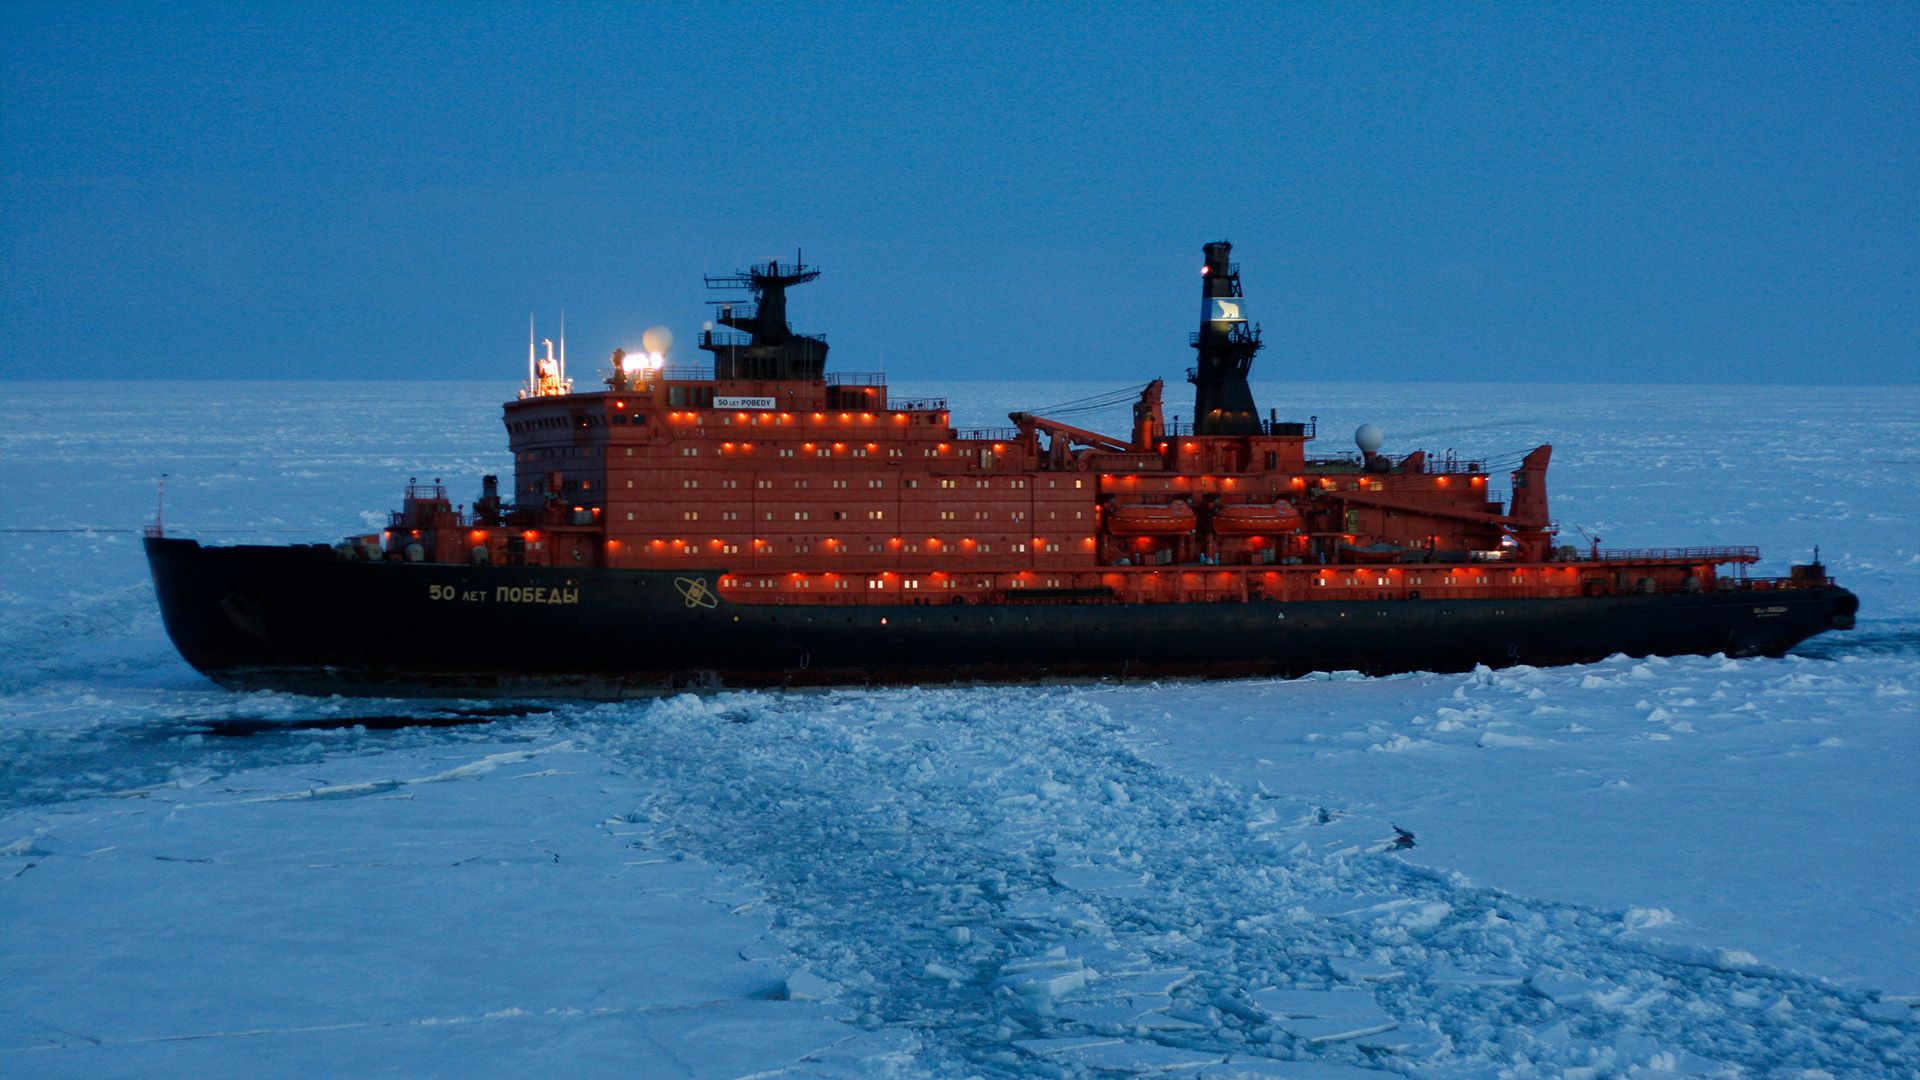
x=1575 y=193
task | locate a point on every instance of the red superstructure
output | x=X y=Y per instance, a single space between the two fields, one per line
x=763 y=522
x=818 y=488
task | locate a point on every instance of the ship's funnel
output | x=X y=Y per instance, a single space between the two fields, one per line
x=1226 y=342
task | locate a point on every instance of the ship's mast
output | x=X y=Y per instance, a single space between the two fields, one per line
x=769 y=349
x=1222 y=401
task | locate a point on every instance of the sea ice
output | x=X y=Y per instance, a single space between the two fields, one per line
x=953 y=882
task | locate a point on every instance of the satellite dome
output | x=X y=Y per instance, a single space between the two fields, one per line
x=1369 y=437
x=657 y=339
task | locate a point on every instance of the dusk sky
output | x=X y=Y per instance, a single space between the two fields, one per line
x=1594 y=192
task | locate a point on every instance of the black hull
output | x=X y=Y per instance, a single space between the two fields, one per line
x=301 y=619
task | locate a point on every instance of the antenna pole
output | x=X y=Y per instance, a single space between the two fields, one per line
x=533 y=378
x=563 y=346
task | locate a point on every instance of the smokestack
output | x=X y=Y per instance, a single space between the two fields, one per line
x=1226 y=342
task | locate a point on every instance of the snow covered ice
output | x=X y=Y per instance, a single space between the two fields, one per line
x=1639 y=867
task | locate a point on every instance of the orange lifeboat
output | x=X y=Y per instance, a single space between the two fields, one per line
x=1256 y=519
x=1140 y=520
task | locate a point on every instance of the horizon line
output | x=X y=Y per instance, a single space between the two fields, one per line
x=45 y=378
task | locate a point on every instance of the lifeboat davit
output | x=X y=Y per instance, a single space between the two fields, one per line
x=1258 y=519
x=1138 y=520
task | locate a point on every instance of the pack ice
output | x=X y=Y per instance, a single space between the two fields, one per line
x=1640 y=867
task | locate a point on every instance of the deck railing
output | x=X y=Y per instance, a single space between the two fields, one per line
x=1743 y=553
x=1297 y=429
x=711 y=339
x=686 y=373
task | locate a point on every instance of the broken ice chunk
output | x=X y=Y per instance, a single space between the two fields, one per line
x=1044 y=977
x=1564 y=988
x=1054 y=1048
x=1245 y=1068
x=1365 y=970
x=1293 y=1001
x=1144 y=1057
x=804 y=985
x=1320 y=1029
x=1099 y=880
x=1147 y=982
x=1448 y=975
x=1407 y=1042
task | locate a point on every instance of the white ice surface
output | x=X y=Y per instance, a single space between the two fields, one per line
x=1668 y=867
x=429 y=911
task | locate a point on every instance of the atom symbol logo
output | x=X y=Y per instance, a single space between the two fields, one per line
x=696 y=593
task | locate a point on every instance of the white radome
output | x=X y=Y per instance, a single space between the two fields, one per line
x=1369 y=438
x=657 y=339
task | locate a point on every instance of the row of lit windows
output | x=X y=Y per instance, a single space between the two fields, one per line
x=895 y=545
x=783 y=419
x=771 y=515
x=815 y=450
x=885 y=581
x=1450 y=579
x=545 y=422
x=872 y=515
x=553 y=453
x=730 y=483
x=1017 y=483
